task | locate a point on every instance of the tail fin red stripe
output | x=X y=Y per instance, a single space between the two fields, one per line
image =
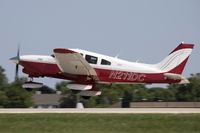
x=179 y=69
x=183 y=46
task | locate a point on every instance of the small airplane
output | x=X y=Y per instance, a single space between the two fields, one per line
x=85 y=69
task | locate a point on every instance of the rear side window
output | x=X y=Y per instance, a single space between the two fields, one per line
x=91 y=59
x=53 y=55
x=105 y=62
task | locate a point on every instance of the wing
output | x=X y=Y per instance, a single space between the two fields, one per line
x=72 y=62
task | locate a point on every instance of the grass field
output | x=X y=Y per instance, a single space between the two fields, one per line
x=99 y=123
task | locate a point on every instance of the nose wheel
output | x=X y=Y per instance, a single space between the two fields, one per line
x=32 y=85
x=30 y=79
x=79 y=104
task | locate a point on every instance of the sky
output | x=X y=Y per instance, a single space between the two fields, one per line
x=144 y=30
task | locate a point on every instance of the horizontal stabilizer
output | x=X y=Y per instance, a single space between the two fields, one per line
x=173 y=76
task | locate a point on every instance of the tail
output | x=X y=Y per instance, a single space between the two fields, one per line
x=176 y=60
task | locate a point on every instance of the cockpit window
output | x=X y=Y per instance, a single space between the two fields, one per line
x=105 y=62
x=53 y=55
x=91 y=59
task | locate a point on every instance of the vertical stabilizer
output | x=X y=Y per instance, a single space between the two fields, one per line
x=177 y=59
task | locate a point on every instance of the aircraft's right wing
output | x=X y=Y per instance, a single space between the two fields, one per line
x=72 y=62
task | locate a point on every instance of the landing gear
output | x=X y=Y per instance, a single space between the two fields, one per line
x=79 y=104
x=75 y=92
x=85 y=91
x=30 y=79
x=86 y=97
x=32 y=85
x=78 y=100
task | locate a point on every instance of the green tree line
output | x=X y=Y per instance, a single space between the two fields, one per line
x=137 y=93
x=13 y=95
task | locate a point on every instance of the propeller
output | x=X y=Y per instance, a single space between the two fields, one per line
x=16 y=60
x=17 y=64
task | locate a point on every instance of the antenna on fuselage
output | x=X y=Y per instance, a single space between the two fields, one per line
x=137 y=60
x=117 y=55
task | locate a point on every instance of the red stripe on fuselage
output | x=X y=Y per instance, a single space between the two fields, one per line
x=114 y=76
x=38 y=69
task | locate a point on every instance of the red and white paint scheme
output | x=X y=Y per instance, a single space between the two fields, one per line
x=84 y=69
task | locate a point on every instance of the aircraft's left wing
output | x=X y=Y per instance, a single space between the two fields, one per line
x=72 y=62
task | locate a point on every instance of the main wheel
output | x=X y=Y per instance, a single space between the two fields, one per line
x=86 y=97
x=75 y=91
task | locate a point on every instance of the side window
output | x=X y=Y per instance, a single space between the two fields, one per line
x=91 y=59
x=53 y=55
x=105 y=62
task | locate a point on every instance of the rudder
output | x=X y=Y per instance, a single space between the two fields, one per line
x=175 y=62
